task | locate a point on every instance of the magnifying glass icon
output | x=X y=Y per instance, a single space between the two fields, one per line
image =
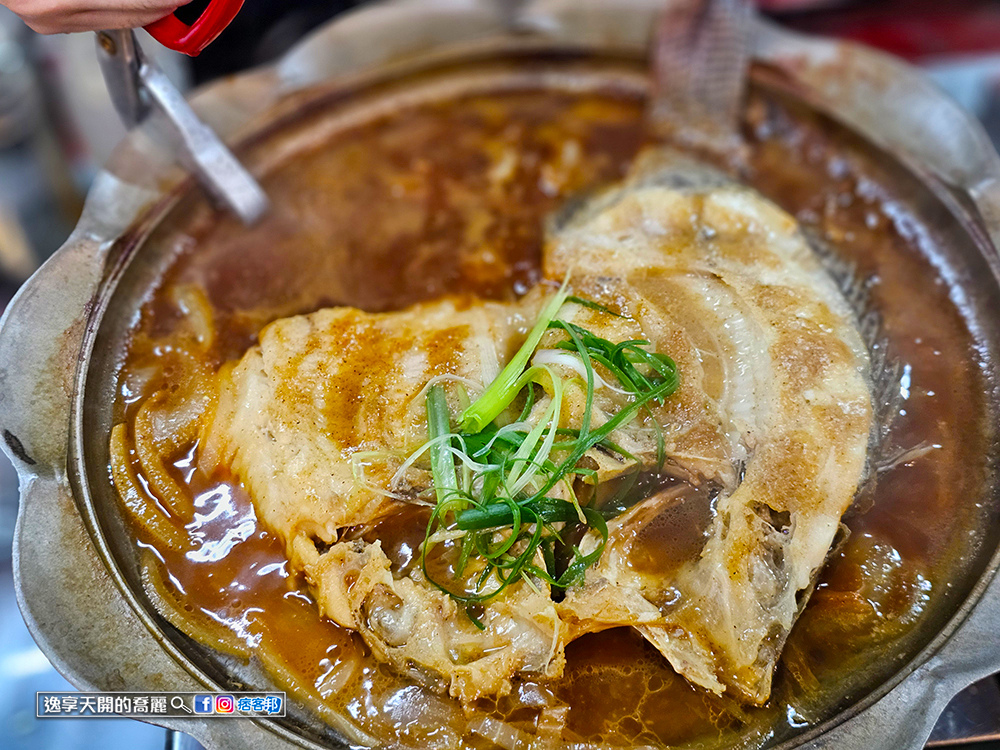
x=177 y=703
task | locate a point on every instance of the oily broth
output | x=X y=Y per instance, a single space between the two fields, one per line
x=453 y=198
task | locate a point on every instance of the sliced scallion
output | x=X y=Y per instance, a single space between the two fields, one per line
x=501 y=507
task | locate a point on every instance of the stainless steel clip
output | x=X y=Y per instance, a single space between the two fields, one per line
x=137 y=86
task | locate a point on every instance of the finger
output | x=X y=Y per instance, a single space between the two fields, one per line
x=50 y=18
x=93 y=22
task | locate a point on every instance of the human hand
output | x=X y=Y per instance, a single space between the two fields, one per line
x=63 y=16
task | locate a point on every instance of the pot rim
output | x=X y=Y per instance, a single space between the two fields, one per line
x=112 y=239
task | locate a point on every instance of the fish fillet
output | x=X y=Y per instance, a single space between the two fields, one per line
x=319 y=389
x=768 y=432
x=318 y=392
x=735 y=272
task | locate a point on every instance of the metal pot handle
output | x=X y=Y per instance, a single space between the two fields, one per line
x=41 y=332
x=905 y=717
x=40 y=339
x=953 y=147
x=54 y=557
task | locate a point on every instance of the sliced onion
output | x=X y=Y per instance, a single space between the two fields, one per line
x=550 y=725
x=193 y=303
x=574 y=363
x=338 y=674
x=462 y=455
x=500 y=733
x=431 y=722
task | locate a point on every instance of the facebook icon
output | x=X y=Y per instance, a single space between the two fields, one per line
x=204 y=704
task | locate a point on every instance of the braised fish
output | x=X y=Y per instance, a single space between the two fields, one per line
x=316 y=421
x=765 y=438
x=787 y=374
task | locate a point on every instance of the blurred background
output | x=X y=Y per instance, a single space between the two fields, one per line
x=57 y=126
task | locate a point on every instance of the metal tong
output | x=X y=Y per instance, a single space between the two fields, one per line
x=700 y=65
x=138 y=88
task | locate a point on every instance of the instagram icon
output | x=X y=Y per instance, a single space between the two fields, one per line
x=224 y=704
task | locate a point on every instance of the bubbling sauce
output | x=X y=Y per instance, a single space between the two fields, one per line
x=453 y=197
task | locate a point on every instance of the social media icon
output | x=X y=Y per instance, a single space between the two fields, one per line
x=225 y=704
x=204 y=704
x=272 y=704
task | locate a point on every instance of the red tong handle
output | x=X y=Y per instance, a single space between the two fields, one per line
x=171 y=32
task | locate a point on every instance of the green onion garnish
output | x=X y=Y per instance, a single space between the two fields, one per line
x=497 y=501
x=438 y=427
x=503 y=390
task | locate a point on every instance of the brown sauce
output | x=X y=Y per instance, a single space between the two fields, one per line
x=671 y=528
x=453 y=198
x=401 y=535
